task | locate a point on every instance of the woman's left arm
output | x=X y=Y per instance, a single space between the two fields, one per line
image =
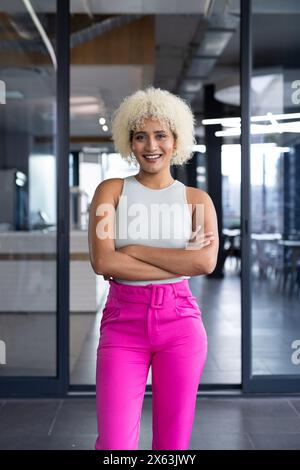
x=186 y=261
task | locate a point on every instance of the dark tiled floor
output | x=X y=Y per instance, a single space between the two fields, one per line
x=220 y=423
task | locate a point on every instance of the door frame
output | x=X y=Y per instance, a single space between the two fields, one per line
x=32 y=386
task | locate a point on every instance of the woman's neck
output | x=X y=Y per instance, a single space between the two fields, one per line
x=155 y=181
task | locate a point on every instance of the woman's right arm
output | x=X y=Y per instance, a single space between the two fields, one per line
x=104 y=258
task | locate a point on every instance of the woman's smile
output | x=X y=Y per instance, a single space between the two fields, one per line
x=152 y=158
x=153 y=142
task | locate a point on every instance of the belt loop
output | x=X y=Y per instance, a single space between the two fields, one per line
x=159 y=290
x=174 y=290
x=161 y=295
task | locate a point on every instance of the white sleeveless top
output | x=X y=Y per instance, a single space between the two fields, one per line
x=152 y=217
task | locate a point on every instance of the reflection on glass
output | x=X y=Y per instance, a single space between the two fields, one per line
x=28 y=190
x=275 y=197
x=87 y=290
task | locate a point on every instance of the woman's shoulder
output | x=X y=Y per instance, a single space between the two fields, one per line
x=113 y=182
x=112 y=185
x=196 y=195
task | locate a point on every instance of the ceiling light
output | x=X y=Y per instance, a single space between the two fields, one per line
x=274 y=122
x=92 y=149
x=280 y=117
x=191 y=85
x=199 y=148
x=213 y=43
x=201 y=170
x=201 y=178
x=14 y=95
x=85 y=109
x=236 y=120
x=267 y=147
x=224 y=121
x=105 y=128
x=83 y=100
x=200 y=67
x=102 y=121
x=293 y=127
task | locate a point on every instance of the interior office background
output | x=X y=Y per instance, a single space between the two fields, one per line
x=50 y=299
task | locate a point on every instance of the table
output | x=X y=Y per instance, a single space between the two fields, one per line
x=292 y=268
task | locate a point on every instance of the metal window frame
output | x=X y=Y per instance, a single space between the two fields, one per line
x=63 y=191
x=245 y=77
x=274 y=384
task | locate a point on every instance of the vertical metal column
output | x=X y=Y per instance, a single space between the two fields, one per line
x=191 y=171
x=246 y=73
x=62 y=152
x=213 y=109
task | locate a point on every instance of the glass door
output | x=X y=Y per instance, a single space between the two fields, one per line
x=28 y=199
x=275 y=201
x=96 y=64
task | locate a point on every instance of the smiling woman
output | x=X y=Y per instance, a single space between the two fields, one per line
x=150 y=316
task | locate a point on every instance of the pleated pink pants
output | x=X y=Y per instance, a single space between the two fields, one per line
x=158 y=325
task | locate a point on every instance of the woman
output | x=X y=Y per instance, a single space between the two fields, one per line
x=150 y=316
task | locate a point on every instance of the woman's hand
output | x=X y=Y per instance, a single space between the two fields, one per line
x=199 y=241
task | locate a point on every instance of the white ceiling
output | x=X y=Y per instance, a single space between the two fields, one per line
x=116 y=6
x=175 y=35
x=107 y=85
x=200 y=7
x=111 y=83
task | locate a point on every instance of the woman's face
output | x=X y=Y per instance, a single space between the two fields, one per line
x=153 y=139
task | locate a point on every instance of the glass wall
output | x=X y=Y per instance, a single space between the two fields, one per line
x=275 y=192
x=27 y=190
x=220 y=293
x=102 y=74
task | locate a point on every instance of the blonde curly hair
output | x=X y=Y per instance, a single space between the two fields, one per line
x=160 y=105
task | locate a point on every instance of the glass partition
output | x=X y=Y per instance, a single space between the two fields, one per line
x=28 y=316
x=275 y=193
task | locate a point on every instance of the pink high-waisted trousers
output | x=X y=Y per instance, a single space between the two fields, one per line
x=158 y=325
